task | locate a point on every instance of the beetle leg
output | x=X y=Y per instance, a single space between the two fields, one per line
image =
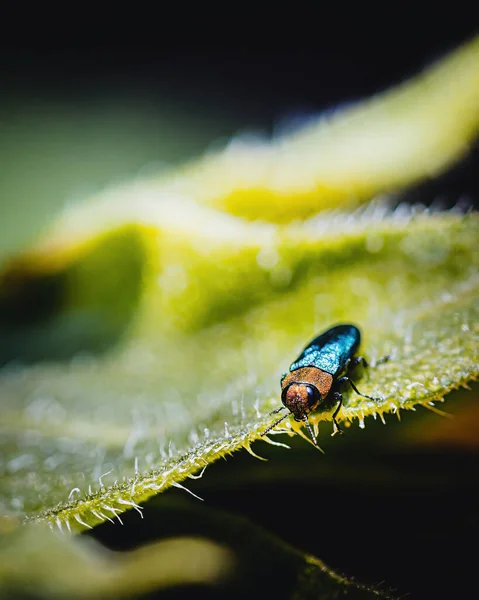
x=338 y=397
x=342 y=380
x=382 y=360
x=358 y=360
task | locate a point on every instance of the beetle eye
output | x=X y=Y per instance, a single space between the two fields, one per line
x=313 y=396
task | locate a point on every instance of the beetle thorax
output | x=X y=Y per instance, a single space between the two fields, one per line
x=321 y=380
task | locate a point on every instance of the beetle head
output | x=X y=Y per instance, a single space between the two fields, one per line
x=300 y=399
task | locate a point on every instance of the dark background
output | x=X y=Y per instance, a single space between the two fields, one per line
x=252 y=66
x=259 y=69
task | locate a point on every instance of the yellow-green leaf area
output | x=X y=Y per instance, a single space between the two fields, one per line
x=198 y=368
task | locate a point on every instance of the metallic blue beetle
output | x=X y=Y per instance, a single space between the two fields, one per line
x=315 y=376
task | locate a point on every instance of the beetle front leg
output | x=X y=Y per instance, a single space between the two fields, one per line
x=338 y=397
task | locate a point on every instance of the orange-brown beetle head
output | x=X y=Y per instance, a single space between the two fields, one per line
x=300 y=399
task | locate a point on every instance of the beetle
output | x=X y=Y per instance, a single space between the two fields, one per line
x=316 y=376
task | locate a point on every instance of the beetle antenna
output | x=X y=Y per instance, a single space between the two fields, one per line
x=276 y=423
x=311 y=431
x=277 y=410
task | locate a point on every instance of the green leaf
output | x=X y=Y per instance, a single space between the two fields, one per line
x=143 y=337
x=160 y=326
x=199 y=369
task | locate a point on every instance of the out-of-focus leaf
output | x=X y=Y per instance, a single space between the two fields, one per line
x=43 y=564
x=408 y=134
x=216 y=554
x=226 y=306
x=44 y=316
x=64 y=149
